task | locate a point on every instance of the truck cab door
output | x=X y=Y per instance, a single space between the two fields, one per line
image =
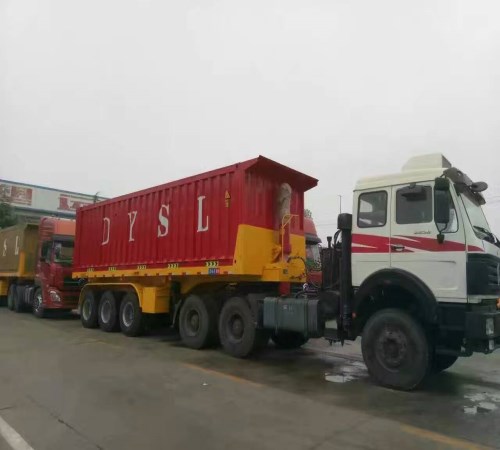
x=45 y=260
x=414 y=246
x=370 y=233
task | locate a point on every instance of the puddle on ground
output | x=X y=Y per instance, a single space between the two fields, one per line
x=338 y=378
x=481 y=402
x=470 y=410
x=347 y=372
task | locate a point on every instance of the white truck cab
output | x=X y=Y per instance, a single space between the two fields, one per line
x=394 y=227
x=414 y=271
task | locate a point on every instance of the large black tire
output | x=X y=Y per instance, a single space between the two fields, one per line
x=237 y=329
x=198 y=321
x=131 y=318
x=396 y=349
x=107 y=313
x=10 y=297
x=288 y=339
x=19 y=305
x=89 y=309
x=37 y=306
x=442 y=362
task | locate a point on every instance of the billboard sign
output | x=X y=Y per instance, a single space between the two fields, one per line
x=42 y=199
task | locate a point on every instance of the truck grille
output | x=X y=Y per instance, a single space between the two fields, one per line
x=493 y=274
x=483 y=275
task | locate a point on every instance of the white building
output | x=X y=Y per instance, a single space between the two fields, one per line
x=30 y=202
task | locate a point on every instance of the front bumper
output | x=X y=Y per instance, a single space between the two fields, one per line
x=67 y=300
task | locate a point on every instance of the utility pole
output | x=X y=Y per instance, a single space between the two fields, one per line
x=340 y=203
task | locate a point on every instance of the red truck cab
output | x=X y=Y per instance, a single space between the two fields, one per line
x=35 y=266
x=54 y=287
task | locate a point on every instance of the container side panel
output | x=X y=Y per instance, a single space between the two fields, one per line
x=195 y=222
x=188 y=224
x=11 y=242
x=18 y=246
x=30 y=246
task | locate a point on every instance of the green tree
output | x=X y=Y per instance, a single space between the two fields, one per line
x=308 y=213
x=7 y=216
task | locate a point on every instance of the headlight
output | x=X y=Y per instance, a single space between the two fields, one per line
x=54 y=296
x=490 y=326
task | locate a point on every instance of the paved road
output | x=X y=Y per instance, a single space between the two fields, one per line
x=65 y=387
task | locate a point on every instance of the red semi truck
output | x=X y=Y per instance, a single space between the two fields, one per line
x=35 y=266
x=414 y=270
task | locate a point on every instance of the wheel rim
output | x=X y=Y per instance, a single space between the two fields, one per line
x=106 y=312
x=87 y=309
x=392 y=348
x=192 y=322
x=128 y=315
x=38 y=302
x=235 y=327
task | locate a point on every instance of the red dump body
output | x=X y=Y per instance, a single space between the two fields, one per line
x=189 y=221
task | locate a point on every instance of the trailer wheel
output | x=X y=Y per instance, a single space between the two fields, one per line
x=37 y=306
x=237 y=328
x=288 y=339
x=131 y=317
x=396 y=350
x=89 y=308
x=10 y=297
x=198 y=321
x=442 y=362
x=107 y=313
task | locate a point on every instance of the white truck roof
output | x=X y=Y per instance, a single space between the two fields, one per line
x=418 y=168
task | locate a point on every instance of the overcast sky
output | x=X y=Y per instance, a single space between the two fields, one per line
x=114 y=96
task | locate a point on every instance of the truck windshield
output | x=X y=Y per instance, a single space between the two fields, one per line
x=63 y=252
x=477 y=217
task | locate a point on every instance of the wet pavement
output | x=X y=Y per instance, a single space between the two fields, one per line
x=62 y=386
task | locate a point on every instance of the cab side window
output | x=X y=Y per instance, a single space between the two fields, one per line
x=414 y=205
x=372 y=209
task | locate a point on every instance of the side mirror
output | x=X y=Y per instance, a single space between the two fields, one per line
x=441 y=207
x=442 y=184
